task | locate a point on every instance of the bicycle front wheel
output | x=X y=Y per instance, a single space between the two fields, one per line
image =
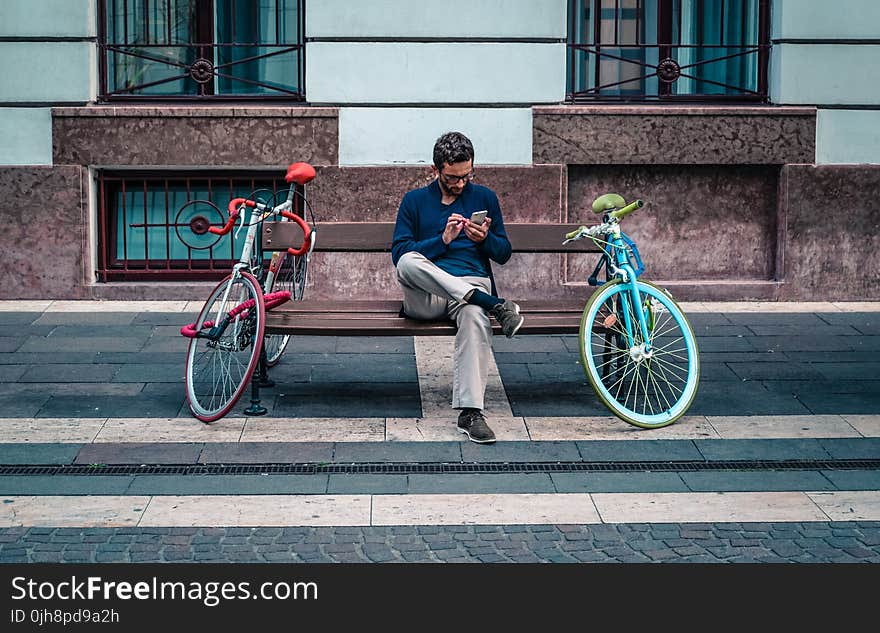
x=647 y=383
x=224 y=353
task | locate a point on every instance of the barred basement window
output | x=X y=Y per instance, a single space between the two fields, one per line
x=152 y=226
x=201 y=49
x=668 y=50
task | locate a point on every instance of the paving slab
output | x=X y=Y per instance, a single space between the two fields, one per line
x=21 y=358
x=164 y=318
x=24 y=404
x=10 y=344
x=82 y=318
x=492 y=509
x=267 y=453
x=857 y=505
x=618 y=482
x=867 y=425
x=366 y=483
x=276 y=429
x=853 y=479
x=68 y=373
x=11 y=373
x=139 y=453
x=260 y=484
x=84 y=390
x=368 y=370
x=18 y=318
x=769 y=449
x=154 y=430
x=48 y=430
x=746 y=398
x=416 y=452
x=782 y=426
x=38 y=453
x=64 y=485
x=171 y=372
x=843 y=403
x=608 y=427
x=706 y=507
x=59 y=511
x=379 y=400
x=444 y=429
x=258 y=511
x=520 y=452
x=739 y=481
x=833 y=371
x=639 y=450
x=553 y=399
x=115 y=406
x=775 y=371
x=483 y=483
x=848 y=448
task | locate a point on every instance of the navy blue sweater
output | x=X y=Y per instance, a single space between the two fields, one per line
x=422 y=218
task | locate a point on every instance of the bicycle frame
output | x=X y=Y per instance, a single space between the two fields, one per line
x=221 y=318
x=617 y=263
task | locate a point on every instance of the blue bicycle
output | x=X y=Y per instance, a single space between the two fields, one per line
x=637 y=347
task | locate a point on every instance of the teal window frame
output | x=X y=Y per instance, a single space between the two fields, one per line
x=668 y=50
x=151 y=225
x=201 y=50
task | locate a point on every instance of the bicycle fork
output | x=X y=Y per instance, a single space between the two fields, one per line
x=645 y=350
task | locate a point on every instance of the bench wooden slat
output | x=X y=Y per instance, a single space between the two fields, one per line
x=360 y=306
x=327 y=325
x=375 y=237
x=380 y=318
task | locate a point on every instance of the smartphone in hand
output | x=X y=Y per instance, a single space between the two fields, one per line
x=478 y=217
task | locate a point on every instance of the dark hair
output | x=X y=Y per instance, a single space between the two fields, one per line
x=452 y=147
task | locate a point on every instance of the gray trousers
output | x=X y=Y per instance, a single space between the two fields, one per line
x=432 y=293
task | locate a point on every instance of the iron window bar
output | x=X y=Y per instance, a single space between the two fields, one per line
x=202 y=68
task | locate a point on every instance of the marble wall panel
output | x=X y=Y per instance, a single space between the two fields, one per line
x=685 y=135
x=203 y=137
x=832 y=232
x=372 y=194
x=45 y=232
x=526 y=194
x=698 y=223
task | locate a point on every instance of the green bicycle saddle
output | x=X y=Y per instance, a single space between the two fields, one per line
x=608 y=202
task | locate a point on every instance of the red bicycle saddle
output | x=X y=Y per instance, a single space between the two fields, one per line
x=301 y=173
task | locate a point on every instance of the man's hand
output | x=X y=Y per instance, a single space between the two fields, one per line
x=453 y=227
x=477 y=232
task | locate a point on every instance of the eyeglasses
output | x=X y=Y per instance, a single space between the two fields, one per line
x=449 y=179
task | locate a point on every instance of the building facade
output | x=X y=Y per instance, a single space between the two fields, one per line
x=751 y=129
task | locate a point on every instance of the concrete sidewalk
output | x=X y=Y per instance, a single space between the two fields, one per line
x=358 y=458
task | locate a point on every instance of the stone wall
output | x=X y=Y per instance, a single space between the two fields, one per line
x=734 y=208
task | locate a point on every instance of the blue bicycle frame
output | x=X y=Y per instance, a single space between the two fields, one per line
x=617 y=249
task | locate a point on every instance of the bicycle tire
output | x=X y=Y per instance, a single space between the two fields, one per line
x=219 y=368
x=650 y=392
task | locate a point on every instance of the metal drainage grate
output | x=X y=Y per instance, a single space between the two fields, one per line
x=403 y=468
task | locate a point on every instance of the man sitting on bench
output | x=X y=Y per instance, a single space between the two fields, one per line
x=441 y=247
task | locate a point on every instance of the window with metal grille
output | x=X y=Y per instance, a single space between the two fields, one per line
x=668 y=50
x=155 y=227
x=201 y=49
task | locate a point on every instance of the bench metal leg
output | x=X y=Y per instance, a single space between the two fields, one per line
x=259 y=379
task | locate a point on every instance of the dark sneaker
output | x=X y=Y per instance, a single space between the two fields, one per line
x=508 y=316
x=472 y=423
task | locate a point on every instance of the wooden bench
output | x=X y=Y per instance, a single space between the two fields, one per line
x=382 y=318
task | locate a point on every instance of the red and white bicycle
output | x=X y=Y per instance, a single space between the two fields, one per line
x=228 y=340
